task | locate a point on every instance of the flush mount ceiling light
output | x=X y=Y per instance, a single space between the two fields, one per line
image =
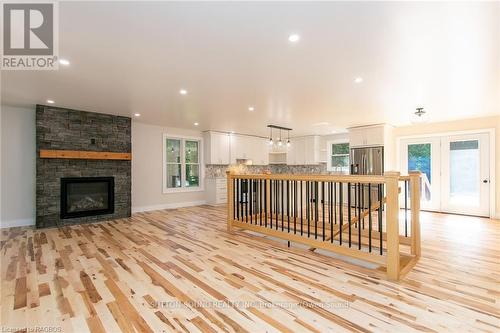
x=251 y=108
x=64 y=62
x=196 y=124
x=50 y=101
x=419 y=116
x=183 y=92
x=137 y=114
x=293 y=38
x=358 y=80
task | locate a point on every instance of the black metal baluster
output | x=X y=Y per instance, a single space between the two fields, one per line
x=278 y=208
x=380 y=195
x=361 y=189
x=316 y=210
x=341 y=211
x=301 y=210
x=349 y=209
x=369 y=217
x=294 y=206
x=246 y=201
x=265 y=202
x=271 y=202
x=323 y=206
x=406 y=208
x=335 y=201
x=288 y=204
x=282 y=205
x=249 y=205
x=259 y=187
x=307 y=208
x=333 y=210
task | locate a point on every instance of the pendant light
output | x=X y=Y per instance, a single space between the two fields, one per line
x=271 y=137
x=288 y=141
x=280 y=143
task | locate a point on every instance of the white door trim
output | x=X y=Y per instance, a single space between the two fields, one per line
x=492 y=138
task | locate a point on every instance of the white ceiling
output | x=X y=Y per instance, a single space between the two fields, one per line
x=132 y=57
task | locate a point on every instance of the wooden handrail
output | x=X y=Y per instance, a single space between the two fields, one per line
x=323 y=178
x=273 y=204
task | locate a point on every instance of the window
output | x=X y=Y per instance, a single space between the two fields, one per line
x=182 y=161
x=338 y=156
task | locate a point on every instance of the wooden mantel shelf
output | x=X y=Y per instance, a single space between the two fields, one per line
x=84 y=155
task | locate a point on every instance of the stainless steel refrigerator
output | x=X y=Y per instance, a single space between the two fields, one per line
x=366 y=161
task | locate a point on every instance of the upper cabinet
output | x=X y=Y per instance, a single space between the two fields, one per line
x=365 y=136
x=217 y=148
x=304 y=151
x=249 y=148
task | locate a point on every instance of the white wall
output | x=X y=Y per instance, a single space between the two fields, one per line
x=17 y=159
x=147 y=170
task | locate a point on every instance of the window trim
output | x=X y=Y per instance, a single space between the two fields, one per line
x=329 y=166
x=201 y=164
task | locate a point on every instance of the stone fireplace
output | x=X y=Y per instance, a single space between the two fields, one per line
x=79 y=188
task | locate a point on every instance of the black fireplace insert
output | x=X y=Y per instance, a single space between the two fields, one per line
x=87 y=196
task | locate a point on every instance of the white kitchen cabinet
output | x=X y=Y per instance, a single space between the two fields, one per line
x=368 y=136
x=216 y=191
x=249 y=148
x=217 y=148
x=303 y=151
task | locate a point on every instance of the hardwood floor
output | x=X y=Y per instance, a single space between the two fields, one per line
x=132 y=275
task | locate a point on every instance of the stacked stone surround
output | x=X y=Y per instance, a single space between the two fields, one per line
x=66 y=129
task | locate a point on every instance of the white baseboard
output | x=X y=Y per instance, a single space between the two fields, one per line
x=17 y=223
x=168 y=206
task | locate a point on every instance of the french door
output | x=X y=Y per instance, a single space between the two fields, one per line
x=456 y=172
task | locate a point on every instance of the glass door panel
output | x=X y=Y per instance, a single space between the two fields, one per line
x=466 y=174
x=423 y=155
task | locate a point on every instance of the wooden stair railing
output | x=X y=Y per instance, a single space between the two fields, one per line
x=317 y=210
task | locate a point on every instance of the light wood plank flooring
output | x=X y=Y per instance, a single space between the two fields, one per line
x=133 y=275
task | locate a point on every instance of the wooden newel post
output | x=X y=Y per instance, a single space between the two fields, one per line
x=230 y=201
x=392 y=224
x=415 y=179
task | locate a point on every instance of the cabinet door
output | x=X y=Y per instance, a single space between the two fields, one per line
x=221 y=148
x=357 y=137
x=311 y=153
x=375 y=136
x=296 y=152
x=217 y=148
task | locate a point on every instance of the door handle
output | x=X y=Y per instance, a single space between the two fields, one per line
x=486 y=181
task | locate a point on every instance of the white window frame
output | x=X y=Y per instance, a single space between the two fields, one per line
x=329 y=166
x=201 y=164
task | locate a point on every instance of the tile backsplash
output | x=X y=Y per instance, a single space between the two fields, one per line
x=217 y=171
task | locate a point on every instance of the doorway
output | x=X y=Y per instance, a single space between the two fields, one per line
x=456 y=171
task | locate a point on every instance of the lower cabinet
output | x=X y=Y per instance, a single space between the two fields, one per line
x=216 y=191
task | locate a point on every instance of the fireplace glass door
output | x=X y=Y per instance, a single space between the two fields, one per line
x=87 y=196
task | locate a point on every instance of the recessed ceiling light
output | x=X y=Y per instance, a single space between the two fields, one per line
x=64 y=62
x=183 y=92
x=137 y=114
x=358 y=80
x=251 y=108
x=195 y=124
x=293 y=38
x=50 y=101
